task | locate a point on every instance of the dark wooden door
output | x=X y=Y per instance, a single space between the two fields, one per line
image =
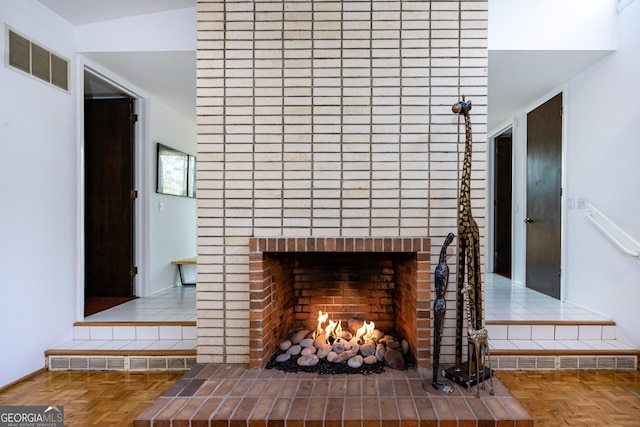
x=502 y=205
x=109 y=216
x=544 y=178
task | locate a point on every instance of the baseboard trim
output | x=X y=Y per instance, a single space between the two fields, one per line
x=25 y=378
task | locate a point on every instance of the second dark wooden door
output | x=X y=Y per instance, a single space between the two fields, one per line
x=109 y=217
x=502 y=206
x=544 y=192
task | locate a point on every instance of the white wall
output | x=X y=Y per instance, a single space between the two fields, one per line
x=38 y=193
x=172 y=232
x=603 y=149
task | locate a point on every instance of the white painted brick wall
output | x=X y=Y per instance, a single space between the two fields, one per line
x=329 y=118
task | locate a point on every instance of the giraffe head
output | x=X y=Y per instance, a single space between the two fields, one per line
x=463 y=107
x=449 y=239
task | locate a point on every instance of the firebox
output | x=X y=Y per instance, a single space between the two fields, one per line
x=385 y=280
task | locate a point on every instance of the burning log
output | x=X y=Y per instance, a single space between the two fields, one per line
x=359 y=348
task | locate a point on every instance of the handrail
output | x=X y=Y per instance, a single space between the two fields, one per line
x=590 y=218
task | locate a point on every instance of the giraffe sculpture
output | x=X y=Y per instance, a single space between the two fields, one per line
x=478 y=340
x=468 y=243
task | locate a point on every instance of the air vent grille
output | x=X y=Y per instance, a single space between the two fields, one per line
x=19 y=52
x=33 y=59
x=59 y=72
x=40 y=63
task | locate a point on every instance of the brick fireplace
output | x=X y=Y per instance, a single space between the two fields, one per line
x=329 y=118
x=385 y=280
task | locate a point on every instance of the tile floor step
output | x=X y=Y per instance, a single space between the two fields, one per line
x=560 y=344
x=126 y=346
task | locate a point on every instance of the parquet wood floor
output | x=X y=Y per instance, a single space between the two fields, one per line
x=102 y=399
x=555 y=398
x=577 y=398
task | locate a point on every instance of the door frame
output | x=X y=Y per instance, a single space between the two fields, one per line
x=519 y=190
x=141 y=206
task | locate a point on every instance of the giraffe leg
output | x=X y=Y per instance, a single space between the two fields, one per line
x=470 y=345
x=488 y=355
x=474 y=359
x=477 y=348
x=481 y=360
x=474 y=274
x=462 y=248
x=477 y=285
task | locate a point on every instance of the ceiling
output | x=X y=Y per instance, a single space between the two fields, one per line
x=80 y=12
x=519 y=78
x=168 y=76
x=516 y=78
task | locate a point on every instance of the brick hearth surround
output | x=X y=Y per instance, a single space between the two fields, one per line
x=232 y=395
x=329 y=118
x=274 y=315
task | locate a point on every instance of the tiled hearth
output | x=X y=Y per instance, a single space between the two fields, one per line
x=385 y=279
x=232 y=395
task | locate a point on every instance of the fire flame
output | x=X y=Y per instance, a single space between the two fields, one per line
x=333 y=330
x=321 y=319
x=365 y=333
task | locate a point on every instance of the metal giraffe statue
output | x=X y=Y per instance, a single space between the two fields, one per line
x=441 y=278
x=468 y=242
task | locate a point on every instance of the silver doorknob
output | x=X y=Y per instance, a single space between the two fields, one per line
x=528 y=220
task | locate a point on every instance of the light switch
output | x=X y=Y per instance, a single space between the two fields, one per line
x=581 y=202
x=161 y=206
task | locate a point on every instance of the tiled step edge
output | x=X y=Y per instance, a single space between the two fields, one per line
x=551 y=322
x=565 y=359
x=134 y=323
x=119 y=360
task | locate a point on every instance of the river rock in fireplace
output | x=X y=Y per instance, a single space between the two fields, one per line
x=360 y=349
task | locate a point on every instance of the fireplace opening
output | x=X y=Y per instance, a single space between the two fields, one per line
x=380 y=280
x=336 y=298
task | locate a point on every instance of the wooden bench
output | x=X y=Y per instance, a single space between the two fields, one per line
x=180 y=263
